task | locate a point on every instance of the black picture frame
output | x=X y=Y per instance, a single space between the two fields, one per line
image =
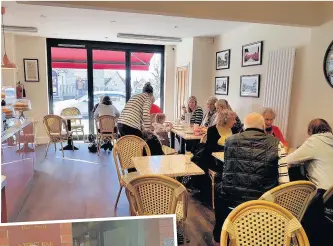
x=247 y=46
x=256 y=94
x=26 y=78
x=327 y=53
x=226 y=91
x=228 y=52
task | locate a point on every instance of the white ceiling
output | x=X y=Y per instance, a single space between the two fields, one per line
x=84 y=24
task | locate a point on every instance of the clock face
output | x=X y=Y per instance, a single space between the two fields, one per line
x=328 y=65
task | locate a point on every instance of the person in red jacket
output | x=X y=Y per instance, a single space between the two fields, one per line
x=269 y=116
x=155 y=109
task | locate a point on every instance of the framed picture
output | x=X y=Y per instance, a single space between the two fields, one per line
x=31 y=70
x=250 y=85
x=252 y=54
x=223 y=59
x=222 y=85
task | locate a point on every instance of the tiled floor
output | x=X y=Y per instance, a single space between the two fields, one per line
x=85 y=185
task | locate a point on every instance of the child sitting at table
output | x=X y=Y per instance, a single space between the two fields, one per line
x=161 y=129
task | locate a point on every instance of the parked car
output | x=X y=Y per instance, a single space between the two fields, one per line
x=118 y=100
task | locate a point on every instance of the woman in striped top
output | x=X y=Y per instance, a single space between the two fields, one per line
x=135 y=117
x=195 y=110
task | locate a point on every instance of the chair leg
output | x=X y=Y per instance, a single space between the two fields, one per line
x=98 y=145
x=118 y=196
x=55 y=146
x=185 y=239
x=62 y=150
x=213 y=192
x=47 y=148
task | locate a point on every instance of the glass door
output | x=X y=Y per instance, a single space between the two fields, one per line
x=70 y=81
x=109 y=77
x=147 y=67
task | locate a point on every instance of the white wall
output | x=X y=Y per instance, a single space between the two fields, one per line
x=37 y=92
x=201 y=86
x=169 y=81
x=311 y=95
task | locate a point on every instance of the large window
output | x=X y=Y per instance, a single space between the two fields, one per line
x=80 y=72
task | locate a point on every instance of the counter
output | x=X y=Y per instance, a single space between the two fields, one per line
x=17 y=163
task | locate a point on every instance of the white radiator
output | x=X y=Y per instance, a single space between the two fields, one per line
x=279 y=75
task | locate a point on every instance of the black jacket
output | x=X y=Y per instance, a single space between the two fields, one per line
x=250 y=166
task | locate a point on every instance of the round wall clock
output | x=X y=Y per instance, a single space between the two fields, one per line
x=328 y=64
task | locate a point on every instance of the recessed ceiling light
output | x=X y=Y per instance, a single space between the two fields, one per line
x=42 y=16
x=113 y=22
x=175 y=26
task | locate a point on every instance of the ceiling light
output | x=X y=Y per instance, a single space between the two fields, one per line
x=42 y=16
x=148 y=37
x=20 y=29
x=5 y=62
x=113 y=22
x=175 y=26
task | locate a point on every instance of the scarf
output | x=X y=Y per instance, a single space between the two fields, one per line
x=209 y=118
x=269 y=131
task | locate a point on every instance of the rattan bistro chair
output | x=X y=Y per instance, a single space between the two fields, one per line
x=76 y=125
x=258 y=222
x=105 y=130
x=57 y=131
x=294 y=196
x=158 y=195
x=126 y=148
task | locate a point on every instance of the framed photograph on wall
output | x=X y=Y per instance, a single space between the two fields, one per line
x=223 y=59
x=222 y=85
x=252 y=54
x=31 y=70
x=250 y=85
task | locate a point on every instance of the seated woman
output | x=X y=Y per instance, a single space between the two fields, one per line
x=161 y=129
x=106 y=108
x=222 y=105
x=210 y=115
x=269 y=116
x=216 y=137
x=316 y=154
x=195 y=111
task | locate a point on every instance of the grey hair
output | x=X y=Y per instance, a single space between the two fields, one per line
x=268 y=111
x=223 y=104
x=222 y=118
x=212 y=100
x=254 y=120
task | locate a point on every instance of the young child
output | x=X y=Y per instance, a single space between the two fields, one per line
x=161 y=129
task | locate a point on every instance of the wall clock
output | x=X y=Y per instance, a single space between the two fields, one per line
x=328 y=64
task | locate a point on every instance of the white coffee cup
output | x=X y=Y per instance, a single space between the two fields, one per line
x=188 y=157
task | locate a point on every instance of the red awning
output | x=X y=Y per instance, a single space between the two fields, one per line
x=102 y=59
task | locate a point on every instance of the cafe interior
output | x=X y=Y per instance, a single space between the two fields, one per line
x=203 y=73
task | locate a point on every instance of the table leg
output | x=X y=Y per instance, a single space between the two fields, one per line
x=172 y=136
x=3 y=206
x=69 y=145
x=182 y=145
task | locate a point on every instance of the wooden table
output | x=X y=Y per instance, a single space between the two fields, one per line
x=183 y=138
x=3 y=200
x=69 y=118
x=218 y=155
x=168 y=165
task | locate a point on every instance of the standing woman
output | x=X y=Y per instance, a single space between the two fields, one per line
x=135 y=117
x=222 y=105
x=195 y=111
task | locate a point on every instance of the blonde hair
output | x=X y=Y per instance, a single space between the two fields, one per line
x=268 y=111
x=223 y=104
x=195 y=100
x=225 y=117
x=159 y=118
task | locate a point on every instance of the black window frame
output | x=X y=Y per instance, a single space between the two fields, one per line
x=100 y=45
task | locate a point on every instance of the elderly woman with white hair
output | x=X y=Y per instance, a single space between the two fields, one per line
x=210 y=114
x=222 y=105
x=269 y=116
